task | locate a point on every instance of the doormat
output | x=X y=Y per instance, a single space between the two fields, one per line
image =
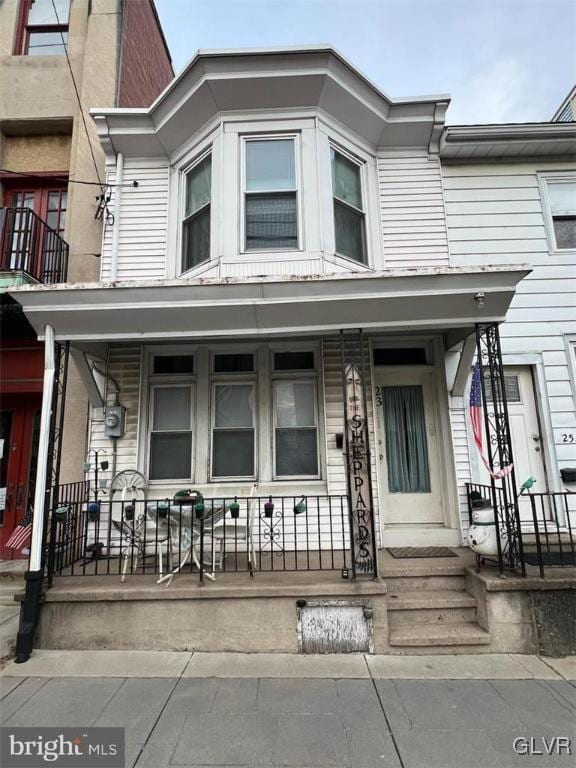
x=401 y=552
x=565 y=558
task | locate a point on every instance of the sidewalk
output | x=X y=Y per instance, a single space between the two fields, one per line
x=183 y=709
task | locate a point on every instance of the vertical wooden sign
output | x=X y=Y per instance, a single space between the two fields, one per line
x=362 y=532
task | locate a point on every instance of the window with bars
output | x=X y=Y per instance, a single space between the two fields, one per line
x=43 y=28
x=196 y=224
x=349 y=214
x=270 y=195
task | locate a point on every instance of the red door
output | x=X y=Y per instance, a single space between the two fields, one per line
x=19 y=426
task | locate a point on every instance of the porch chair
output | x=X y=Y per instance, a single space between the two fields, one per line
x=146 y=534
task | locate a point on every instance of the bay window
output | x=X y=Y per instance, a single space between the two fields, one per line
x=349 y=214
x=196 y=223
x=270 y=195
x=171 y=431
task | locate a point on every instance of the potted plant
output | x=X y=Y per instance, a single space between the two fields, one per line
x=269 y=507
x=234 y=509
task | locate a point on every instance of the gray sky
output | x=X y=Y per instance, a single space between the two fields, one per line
x=501 y=60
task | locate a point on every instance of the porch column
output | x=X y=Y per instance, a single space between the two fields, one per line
x=364 y=549
x=46 y=488
x=499 y=446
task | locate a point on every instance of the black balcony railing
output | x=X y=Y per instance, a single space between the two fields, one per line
x=214 y=536
x=28 y=244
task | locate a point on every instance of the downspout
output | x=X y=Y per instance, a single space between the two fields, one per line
x=116 y=225
x=30 y=608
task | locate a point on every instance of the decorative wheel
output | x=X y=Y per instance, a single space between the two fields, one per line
x=130 y=483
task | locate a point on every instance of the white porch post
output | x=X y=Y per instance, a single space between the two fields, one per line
x=31 y=604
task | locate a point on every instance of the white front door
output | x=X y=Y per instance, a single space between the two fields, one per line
x=527 y=448
x=410 y=476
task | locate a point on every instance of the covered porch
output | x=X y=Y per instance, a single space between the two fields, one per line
x=288 y=399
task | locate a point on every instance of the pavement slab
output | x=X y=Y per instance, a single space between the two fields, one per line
x=101 y=664
x=284 y=665
x=7 y=685
x=64 y=702
x=565 y=667
x=485 y=666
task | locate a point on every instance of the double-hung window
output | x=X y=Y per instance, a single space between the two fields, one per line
x=295 y=415
x=196 y=223
x=233 y=417
x=270 y=194
x=561 y=195
x=171 y=431
x=349 y=214
x=43 y=27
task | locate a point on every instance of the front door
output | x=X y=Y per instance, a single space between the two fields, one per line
x=19 y=422
x=526 y=434
x=408 y=454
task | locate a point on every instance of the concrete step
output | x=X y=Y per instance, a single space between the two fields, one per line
x=436 y=636
x=431 y=607
x=452 y=582
x=7 y=592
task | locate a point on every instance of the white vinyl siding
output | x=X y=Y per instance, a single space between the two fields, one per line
x=412 y=208
x=459 y=429
x=143 y=221
x=495 y=216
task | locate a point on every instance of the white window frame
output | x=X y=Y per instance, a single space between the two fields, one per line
x=545 y=179
x=163 y=381
x=184 y=173
x=306 y=376
x=232 y=379
x=334 y=147
x=245 y=139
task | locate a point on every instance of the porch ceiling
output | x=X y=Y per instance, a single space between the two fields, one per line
x=440 y=299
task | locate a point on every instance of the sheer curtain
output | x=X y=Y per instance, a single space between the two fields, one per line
x=406 y=444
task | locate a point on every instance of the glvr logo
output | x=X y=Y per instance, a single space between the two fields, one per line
x=556 y=745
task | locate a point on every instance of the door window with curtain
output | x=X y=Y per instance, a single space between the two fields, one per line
x=349 y=216
x=406 y=441
x=196 y=224
x=270 y=195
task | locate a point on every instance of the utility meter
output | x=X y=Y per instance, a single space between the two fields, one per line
x=114 y=421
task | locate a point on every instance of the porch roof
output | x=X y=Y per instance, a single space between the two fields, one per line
x=440 y=298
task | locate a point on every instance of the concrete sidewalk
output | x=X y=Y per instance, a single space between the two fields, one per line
x=272 y=710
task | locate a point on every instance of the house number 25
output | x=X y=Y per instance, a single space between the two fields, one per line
x=568 y=437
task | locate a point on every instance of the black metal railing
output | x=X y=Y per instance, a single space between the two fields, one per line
x=551 y=543
x=207 y=537
x=546 y=535
x=28 y=244
x=67 y=518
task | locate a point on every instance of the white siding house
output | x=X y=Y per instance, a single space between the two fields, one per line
x=510 y=193
x=270 y=200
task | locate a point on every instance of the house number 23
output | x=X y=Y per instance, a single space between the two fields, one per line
x=568 y=437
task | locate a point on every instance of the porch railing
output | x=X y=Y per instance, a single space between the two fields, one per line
x=547 y=535
x=215 y=536
x=28 y=244
x=551 y=544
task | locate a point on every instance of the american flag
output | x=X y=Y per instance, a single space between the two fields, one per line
x=476 y=418
x=22 y=534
